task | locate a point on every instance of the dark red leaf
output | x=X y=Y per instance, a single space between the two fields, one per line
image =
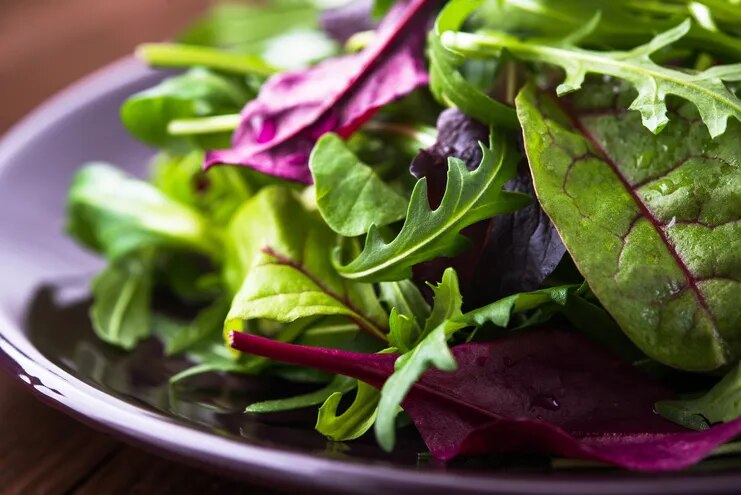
x=543 y=391
x=279 y=128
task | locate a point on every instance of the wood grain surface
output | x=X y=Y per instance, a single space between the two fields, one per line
x=44 y=46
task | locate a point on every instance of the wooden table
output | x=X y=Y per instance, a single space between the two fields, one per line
x=44 y=46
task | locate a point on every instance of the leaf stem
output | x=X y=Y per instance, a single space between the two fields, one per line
x=424 y=135
x=180 y=55
x=204 y=125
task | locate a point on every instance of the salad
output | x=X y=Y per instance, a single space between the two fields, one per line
x=512 y=225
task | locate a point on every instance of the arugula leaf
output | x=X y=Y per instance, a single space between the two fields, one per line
x=339 y=384
x=705 y=90
x=349 y=194
x=353 y=422
x=500 y=312
x=290 y=274
x=409 y=311
x=114 y=213
x=720 y=404
x=448 y=84
x=426 y=234
x=431 y=351
x=197 y=93
x=663 y=210
x=121 y=312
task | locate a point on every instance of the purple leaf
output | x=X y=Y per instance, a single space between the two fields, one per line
x=342 y=22
x=510 y=253
x=543 y=391
x=279 y=128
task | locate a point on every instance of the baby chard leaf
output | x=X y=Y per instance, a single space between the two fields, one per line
x=651 y=221
x=289 y=274
x=470 y=196
x=349 y=194
x=705 y=90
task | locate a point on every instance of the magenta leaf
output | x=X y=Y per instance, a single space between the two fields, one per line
x=543 y=391
x=279 y=128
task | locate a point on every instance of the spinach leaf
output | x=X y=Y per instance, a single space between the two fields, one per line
x=706 y=90
x=197 y=93
x=353 y=422
x=662 y=210
x=121 y=312
x=339 y=384
x=114 y=213
x=289 y=274
x=349 y=194
x=426 y=234
x=720 y=404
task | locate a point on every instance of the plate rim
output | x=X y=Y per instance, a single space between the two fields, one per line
x=267 y=466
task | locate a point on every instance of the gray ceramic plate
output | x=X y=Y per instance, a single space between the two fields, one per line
x=46 y=342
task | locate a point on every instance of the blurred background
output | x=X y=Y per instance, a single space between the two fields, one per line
x=47 y=44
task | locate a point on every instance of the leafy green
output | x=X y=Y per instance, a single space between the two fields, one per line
x=284 y=32
x=289 y=273
x=352 y=423
x=218 y=194
x=653 y=82
x=177 y=55
x=446 y=81
x=121 y=312
x=720 y=404
x=470 y=196
x=114 y=213
x=340 y=384
x=409 y=311
x=663 y=211
x=432 y=350
x=349 y=194
x=197 y=93
x=179 y=337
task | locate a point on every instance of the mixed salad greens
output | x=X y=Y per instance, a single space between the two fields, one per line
x=513 y=222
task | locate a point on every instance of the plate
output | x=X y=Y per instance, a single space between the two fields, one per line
x=47 y=343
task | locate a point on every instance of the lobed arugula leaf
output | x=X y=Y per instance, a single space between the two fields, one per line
x=426 y=234
x=121 y=312
x=288 y=270
x=663 y=209
x=116 y=214
x=446 y=81
x=349 y=194
x=354 y=421
x=653 y=82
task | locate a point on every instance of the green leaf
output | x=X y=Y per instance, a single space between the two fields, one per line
x=651 y=221
x=444 y=320
x=114 y=213
x=218 y=193
x=349 y=194
x=339 y=384
x=500 y=312
x=197 y=93
x=446 y=81
x=409 y=311
x=283 y=32
x=352 y=423
x=470 y=196
x=122 y=299
x=180 y=55
x=289 y=273
x=705 y=90
x=179 y=337
x=720 y=404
